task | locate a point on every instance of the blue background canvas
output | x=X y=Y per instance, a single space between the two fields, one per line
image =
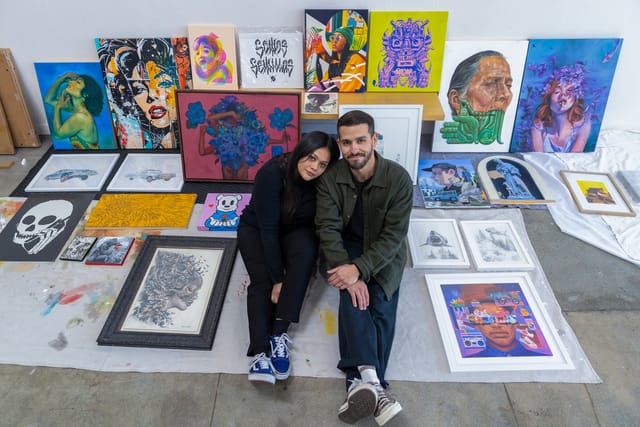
x=598 y=57
x=48 y=73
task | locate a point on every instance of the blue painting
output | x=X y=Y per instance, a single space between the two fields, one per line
x=75 y=104
x=564 y=93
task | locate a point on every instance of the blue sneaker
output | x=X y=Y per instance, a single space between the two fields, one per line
x=261 y=369
x=280 y=356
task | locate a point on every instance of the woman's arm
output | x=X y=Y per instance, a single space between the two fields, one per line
x=537 y=138
x=51 y=98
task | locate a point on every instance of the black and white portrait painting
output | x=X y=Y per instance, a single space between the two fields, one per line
x=41 y=227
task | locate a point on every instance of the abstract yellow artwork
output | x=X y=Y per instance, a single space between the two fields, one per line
x=142 y=210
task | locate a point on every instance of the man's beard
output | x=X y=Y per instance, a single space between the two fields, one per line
x=359 y=161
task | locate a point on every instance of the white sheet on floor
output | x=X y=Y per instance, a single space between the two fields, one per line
x=616 y=151
x=65 y=336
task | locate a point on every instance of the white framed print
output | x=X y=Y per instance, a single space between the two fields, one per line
x=495 y=322
x=398 y=128
x=495 y=245
x=151 y=172
x=597 y=193
x=73 y=172
x=436 y=243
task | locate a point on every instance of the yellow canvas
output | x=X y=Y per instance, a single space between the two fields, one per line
x=142 y=211
x=406 y=51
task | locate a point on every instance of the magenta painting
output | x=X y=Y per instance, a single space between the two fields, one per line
x=228 y=136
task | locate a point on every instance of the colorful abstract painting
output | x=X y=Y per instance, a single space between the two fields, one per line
x=221 y=211
x=494 y=322
x=335 y=50
x=141 y=78
x=406 y=51
x=564 y=94
x=270 y=58
x=228 y=136
x=213 y=57
x=142 y=211
x=479 y=94
x=75 y=104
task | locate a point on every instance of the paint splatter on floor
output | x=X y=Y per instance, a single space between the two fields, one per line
x=328 y=317
x=60 y=343
x=76 y=321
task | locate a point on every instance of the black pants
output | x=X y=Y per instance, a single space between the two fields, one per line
x=365 y=336
x=299 y=253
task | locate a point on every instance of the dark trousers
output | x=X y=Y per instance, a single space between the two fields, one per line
x=365 y=336
x=299 y=253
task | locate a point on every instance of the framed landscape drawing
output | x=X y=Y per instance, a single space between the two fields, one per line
x=110 y=250
x=78 y=248
x=398 y=128
x=495 y=245
x=75 y=91
x=221 y=211
x=73 y=172
x=173 y=295
x=495 y=322
x=228 y=136
x=597 y=193
x=436 y=243
x=509 y=180
x=148 y=172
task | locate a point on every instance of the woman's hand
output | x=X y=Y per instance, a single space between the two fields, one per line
x=275 y=292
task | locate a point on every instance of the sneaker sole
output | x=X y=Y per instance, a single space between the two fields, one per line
x=383 y=418
x=361 y=404
x=281 y=376
x=262 y=378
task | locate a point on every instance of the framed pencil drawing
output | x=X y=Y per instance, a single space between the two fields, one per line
x=436 y=243
x=149 y=172
x=495 y=245
x=495 y=322
x=398 y=128
x=597 y=193
x=173 y=295
x=73 y=172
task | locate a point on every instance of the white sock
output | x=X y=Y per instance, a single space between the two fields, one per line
x=368 y=374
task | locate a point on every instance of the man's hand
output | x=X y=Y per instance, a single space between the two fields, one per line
x=343 y=276
x=359 y=295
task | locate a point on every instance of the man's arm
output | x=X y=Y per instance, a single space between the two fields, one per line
x=329 y=222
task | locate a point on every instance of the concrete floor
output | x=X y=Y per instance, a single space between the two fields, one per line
x=599 y=295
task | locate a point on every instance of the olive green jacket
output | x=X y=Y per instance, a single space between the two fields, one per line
x=387 y=202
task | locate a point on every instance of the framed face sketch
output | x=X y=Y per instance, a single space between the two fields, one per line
x=436 y=243
x=398 y=129
x=173 y=295
x=495 y=245
x=597 y=193
x=494 y=322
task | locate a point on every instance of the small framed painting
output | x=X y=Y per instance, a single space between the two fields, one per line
x=73 y=172
x=597 y=193
x=495 y=322
x=148 y=173
x=78 y=248
x=495 y=245
x=110 y=250
x=173 y=295
x=320 y=103
x=398 y=128
x=436 y=243
x=221 y=211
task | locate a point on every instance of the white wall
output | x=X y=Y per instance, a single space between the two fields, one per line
x=45 y=30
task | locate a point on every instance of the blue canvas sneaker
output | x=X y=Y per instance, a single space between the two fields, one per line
x=261 y=370
x=280 y=356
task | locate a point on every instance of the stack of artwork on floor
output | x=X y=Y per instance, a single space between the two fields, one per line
x=196 y=108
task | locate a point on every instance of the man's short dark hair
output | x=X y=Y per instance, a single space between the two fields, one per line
x=355 y=118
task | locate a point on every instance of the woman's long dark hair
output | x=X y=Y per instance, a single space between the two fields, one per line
x=292 y=189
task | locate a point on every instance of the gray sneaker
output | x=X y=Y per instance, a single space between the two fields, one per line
x=360 y=402
x=387 y=406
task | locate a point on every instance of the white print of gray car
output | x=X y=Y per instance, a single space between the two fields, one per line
x=151 y=175
x=66 y=174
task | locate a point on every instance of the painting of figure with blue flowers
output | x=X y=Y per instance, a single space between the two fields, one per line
x=228 y=136
x=564 y=93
